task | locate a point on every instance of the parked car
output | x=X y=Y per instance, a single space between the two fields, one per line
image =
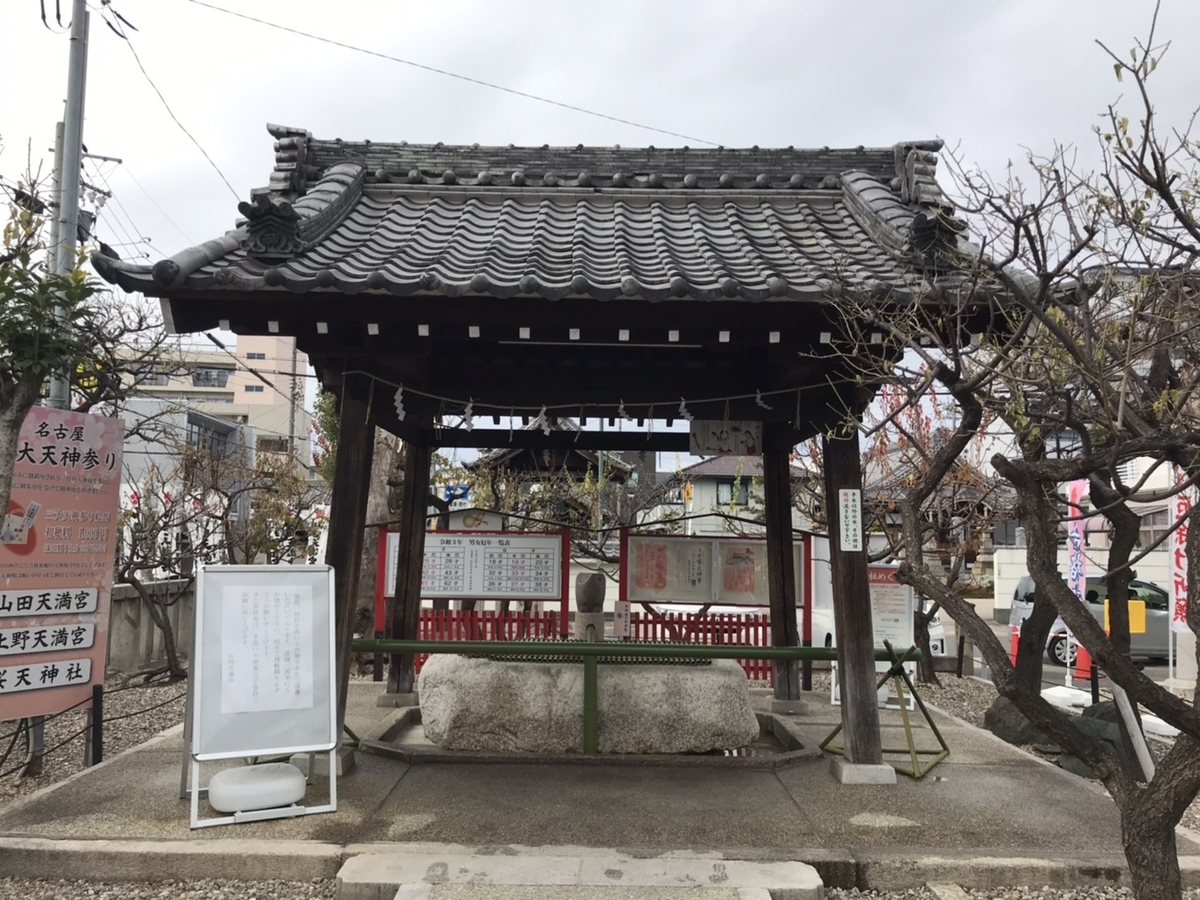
x=1152 y=644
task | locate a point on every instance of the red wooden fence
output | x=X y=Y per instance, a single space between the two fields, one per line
x=721 y=628
x=484 y=625
x=489 y=625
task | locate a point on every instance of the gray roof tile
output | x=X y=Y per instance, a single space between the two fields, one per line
x=403 y=219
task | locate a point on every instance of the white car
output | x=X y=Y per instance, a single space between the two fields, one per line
x=1153 y=643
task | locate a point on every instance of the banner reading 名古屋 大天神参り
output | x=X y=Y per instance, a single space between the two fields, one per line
x=57 y=541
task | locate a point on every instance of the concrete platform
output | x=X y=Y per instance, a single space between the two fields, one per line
x=989 y=815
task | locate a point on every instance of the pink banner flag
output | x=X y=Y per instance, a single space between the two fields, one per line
x=1076 y=558
x=1181 y=506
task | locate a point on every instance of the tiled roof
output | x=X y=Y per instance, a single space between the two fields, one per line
x=603 y=223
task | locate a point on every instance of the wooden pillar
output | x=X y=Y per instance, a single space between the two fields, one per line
x=851 y=603
x=347 y=519
x=406 y=611
x=781 y=566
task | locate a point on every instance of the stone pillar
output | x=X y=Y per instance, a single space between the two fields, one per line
x=589 y=606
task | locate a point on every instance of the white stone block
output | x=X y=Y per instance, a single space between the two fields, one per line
x=479 y=704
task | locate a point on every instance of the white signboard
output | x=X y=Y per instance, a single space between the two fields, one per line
x=621 y=619
x=263 y=678
x=482 y=566
x=35 y=676
x=42 y=638
x=59 y=601
x=850 y=520
x=266 y=648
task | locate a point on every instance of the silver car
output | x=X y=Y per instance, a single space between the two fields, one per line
x=1152 y=644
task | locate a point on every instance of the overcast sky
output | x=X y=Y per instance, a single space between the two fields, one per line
x=989 y=78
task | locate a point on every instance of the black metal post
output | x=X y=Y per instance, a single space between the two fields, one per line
x=97 y=755
x=1094 y=677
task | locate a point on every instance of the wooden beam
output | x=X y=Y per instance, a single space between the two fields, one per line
x=347 y=518
x=781 y=569
x=852 y=616
x=406 y=611
x=520 y=439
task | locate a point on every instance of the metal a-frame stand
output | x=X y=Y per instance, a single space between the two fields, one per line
x=899 y=677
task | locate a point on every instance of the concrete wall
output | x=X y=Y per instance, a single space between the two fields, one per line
x=134 y=642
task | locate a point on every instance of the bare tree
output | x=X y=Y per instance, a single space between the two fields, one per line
x=1091 y=362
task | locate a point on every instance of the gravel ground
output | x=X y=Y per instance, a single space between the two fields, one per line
x=209 y=889
x=1013 y=893
x=132 y=714
x=136 y=712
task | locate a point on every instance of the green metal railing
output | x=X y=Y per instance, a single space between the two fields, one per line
x=592 y=653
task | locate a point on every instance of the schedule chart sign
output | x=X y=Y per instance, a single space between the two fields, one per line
x=485 y=566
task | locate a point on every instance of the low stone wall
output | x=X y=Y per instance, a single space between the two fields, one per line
x=134 y=641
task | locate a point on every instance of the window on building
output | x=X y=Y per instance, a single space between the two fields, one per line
x=272 y=444
x=725 y=492
x=1154 y=526
x=153 y=378
x=207 y=376
x=254 y=388
x=256 y=356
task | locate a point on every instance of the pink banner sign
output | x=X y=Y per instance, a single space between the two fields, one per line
x=1076 y=555
x=1181 y=506
x=57 y=543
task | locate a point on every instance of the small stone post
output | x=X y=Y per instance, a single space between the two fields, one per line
x=589 y=606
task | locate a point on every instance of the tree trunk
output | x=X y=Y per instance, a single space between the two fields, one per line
x=162 y=621
x=1031 y=646
x=926 y=673
x=1148 y=836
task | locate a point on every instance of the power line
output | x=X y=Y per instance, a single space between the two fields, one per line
x=449 y=74
x=119 y=31
x=159 y=208
x=253 y=371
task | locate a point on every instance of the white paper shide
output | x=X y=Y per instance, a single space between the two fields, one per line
x=266 y=652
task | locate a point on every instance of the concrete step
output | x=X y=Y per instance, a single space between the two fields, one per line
x=437 y=876
x=573 y=892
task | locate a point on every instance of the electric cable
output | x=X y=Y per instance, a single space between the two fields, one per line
x=449 y=74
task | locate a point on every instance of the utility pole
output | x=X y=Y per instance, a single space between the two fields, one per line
x=68 y=166
x=68 y=158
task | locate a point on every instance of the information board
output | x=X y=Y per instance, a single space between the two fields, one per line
x=56 y=561
x=892 y=608
x=721 y=571
x=263 y=671
x=676 y=569
x=504 y=565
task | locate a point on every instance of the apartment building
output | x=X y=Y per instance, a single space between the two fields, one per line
x=259 y=382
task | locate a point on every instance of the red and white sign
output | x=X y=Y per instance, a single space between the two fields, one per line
x=1181 y=506
x=57 y=541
